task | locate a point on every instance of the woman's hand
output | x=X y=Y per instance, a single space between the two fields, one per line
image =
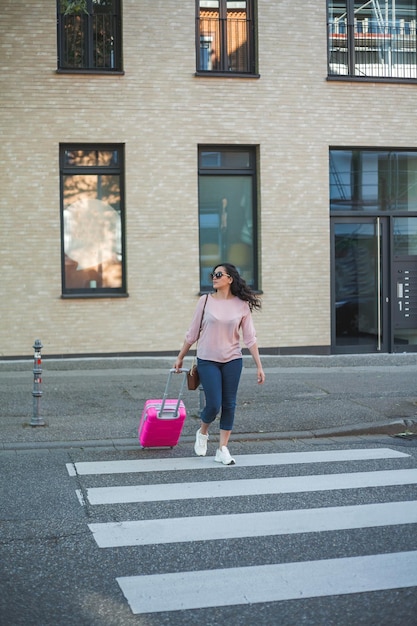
x=255 y=355
x=261 y=376
x=180 y=358
x=178 y=365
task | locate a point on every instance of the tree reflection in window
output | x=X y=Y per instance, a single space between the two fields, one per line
x=92 y=222
x=89 y=35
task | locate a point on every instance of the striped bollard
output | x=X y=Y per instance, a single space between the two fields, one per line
x=37 y=381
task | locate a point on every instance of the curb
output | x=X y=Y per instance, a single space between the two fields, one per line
x=383 y=428
x=164 y=361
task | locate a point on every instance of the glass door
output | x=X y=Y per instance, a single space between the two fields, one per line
x=360 y=302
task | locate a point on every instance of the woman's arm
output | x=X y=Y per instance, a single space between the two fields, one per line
x=191 y=336
x=255 y=355
x=182 y=353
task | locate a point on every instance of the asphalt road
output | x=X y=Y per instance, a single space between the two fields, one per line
x=54 y=572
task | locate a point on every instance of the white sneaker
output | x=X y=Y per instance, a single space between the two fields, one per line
x=223 y=456
x=200 y=446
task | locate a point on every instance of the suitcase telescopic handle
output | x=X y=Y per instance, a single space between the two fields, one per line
x=182 y=370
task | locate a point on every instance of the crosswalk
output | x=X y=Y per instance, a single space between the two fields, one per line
x=255 y=583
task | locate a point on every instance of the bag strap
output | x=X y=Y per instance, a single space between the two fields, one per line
x=202 y=316
x=201 y=324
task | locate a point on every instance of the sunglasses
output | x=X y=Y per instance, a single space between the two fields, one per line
x=218 y=275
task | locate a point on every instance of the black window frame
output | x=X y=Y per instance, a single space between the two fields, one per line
x=219 y=170
x=383 y=40
x=251 y=53
x=68 y=170
x=391 y=179
x=88 y=47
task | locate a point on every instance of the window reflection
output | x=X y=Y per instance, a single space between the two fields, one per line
x=372 y=38
x=226 y=212
x=90 y=158
x=91 y=220
x=405 y=236
x=89 y=35
x=373 y=180
x=225 y=33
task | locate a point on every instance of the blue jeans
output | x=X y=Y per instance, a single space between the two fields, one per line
x=220 y=382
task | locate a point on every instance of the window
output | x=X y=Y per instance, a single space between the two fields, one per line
x=89 y=35
x=372 y=39
x=225 y=36
x=373 y=180
x=92 y=220
x=227 y=211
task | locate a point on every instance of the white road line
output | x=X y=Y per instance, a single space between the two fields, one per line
x=71 y=469
x=213 y=527
x=80 y=497
x=255 y=486
x=244 y=460
x=269 y=583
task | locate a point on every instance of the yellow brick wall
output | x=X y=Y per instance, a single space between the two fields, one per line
x=162 y=112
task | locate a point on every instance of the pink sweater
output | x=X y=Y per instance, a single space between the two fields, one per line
x=219 y=339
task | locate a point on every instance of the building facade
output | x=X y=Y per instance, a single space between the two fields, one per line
x=145 y=141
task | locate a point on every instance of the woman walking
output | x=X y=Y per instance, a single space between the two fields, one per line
x=222 y=315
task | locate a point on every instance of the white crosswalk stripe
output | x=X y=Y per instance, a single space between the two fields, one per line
x=175 y=591
x=266 y=583
x=245 y=460
x=250 y=486
x=259 y=524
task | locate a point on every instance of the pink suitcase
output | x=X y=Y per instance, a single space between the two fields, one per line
x=162 y=420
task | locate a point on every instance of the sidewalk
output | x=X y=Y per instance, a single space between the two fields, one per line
x=98 y=402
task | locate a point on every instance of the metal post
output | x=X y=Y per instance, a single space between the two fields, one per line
x=37 y=381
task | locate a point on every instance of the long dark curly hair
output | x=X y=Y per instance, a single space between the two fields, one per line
x=239 y=287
